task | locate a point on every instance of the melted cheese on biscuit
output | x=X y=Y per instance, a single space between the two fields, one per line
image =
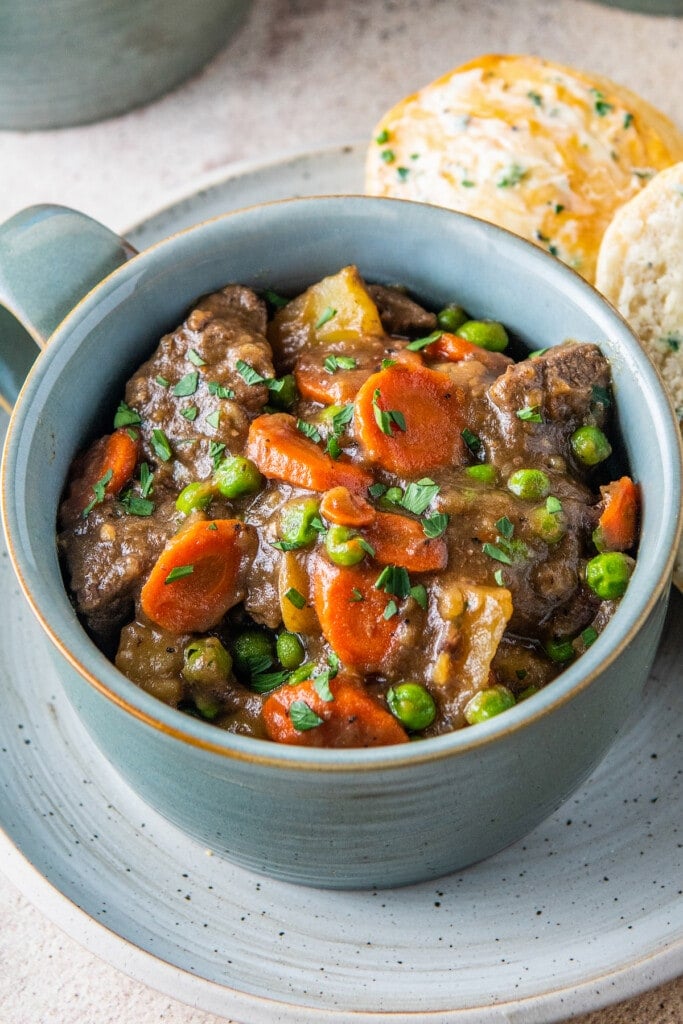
x=545 y=151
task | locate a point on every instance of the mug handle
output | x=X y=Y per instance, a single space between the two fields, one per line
x=50 y=258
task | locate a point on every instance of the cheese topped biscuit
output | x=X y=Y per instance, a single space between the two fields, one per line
x=543 y=150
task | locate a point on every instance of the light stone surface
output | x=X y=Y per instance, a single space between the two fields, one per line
x=301 y=75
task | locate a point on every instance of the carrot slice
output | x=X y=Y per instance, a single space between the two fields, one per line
x=408 y=420
x=453 y=348
x=351 y=719
x=194 y=581
x=282 y=452
x=398 y=540
x=618 y=524
x=120 y=456
x=329 y=389
x=351 y=610
x=344 y=508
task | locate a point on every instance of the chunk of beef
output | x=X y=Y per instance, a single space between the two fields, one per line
x=564 y=386
x=401 y=315
x=108 y=556
x=199 y=362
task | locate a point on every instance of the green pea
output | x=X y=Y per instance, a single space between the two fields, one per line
x=530 y=484
x=343 y=545
x=285 y=394
x=559 y=650
x=195 y=496
x=296 y=519
x=412 y=705
x=289 y=649
x=206 y=706
x=488 y=334
x=206 y=662
x=237 y=476
x=252 y=647
x=484 y=472
x=590 y=446
x=549 y=526
x=608 y=574
x=451 y=318
x=488 y=703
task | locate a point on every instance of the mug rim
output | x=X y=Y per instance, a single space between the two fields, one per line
x=104 y=677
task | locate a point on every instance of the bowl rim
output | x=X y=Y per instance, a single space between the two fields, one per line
x=100 y=673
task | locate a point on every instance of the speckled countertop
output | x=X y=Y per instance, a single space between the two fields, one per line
x=301 y=75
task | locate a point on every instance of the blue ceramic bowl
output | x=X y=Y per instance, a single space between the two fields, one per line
x=337 y=818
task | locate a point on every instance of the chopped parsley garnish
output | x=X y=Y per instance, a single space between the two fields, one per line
x=390 y=610
x=628 y=120
x=146 y=480
x=419 y=594
x=136 y=506
x=514 y=174
x=327 y=314
x=387 y=419
x=264 y=682
x=434 y=526
x=377 y=490
x=161 y=445
x=219 y=391
x=388 y=156
x=558 y=208
x=495 y=552
x=418 y=496
x=333 y=448
x=334 y=363
x=530 y=414
x=535 y=98
x=600 y=396
x=600 y=104
x=589 y=636
x=187 y=385
x=296 y=598
x=303 y=717
x=394 y=579
x=467 y=183
x=419 y=343
x=275 y=300
x=179 y=572
x=366 y=546
x=126 y=417
x=195 y=357
x=383 y=137
x=132 y=433
x=248 y=373
x=402 y=173
x=321 y=685
x=356 y=595
x=553 y=505
x=190 y=412
x=672 y=342
x=308 y=430
x=99 y=489
x=505 y=528
x=214 y=419
x=387 y=363
x=162 y=382
x=498 y=577
x=538 y=352
x=216 y=449
x=472 y=441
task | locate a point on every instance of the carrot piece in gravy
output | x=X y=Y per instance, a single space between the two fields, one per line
x=339 y=505
x=194 y=581
x=408 y=420
x=398 y=540
x=351 y=613
x=618 y=525
x=300 y=715
x=282 y=452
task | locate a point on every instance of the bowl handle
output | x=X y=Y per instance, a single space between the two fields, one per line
x=50 y=258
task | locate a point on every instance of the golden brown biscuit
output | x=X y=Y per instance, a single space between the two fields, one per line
x=640 y=270
x=543 y=150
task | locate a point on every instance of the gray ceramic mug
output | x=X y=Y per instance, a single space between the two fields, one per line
x=65 y=62
x=338 y=818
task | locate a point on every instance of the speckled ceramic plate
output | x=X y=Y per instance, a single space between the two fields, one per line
x=585 y=911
